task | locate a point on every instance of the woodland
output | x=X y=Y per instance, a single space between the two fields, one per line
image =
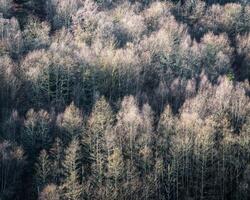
x=124 y=100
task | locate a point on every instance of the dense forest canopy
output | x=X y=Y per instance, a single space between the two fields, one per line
x=114 y=99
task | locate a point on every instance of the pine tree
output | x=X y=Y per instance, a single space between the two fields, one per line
x=145 y=143
x=43 y=170
x=115 y=173
x=9 y=83
x=56 y=153
x=205 y=158
x=36 y=35
x=129 y=122
x=164 y=173
x=71 y=188
x=165 y=130
x=100 y=122
x=11 y=36
x=36 y=131
x=12 y=162
x=71 y=122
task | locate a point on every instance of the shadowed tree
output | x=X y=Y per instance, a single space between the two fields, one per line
x=71 y=188
x=115 y=173
x=56 y=153
x=43 y=170
x=12 y=163
x=71 y=123
x=36 y=132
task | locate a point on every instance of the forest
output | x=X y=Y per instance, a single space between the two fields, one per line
x=124 y=99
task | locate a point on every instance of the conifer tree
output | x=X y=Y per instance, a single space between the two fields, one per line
x=146 y=153
x=56 y=153
x=129 y=122
x=100 y=122
x=36 y=131
x=71 y=122
x=165 y=132
x=115 y=173
x=71 y=188
x=50 y=192
x=12 y=162
x=43 y=170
